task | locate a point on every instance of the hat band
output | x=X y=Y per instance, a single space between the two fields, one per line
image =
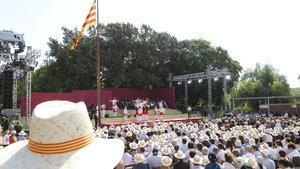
x=58 y=148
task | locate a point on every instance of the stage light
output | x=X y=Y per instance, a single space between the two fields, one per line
x=200 y=80
x=216 y=79
x=189 y=82
x=179 y=83
x=228 y=77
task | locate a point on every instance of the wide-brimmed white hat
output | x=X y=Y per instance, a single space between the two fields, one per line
x=142 y=143
x=196 y=160
x=61 y=137
x=166 y=150
x=238 y=143
x=179 y=155
x=139 y=158
x=133 y=145
x=166 y=161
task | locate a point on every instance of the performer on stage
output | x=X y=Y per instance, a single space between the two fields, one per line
x=161 y=110
x=125 y=112
x=139 y=115
x=145 y=110
x=156 y=113
x=114 y=106
x=103 y=111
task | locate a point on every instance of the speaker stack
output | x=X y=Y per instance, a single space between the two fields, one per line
x=8 y=89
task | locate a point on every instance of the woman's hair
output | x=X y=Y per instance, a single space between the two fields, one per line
x=283 y=162
x=296 y=161
x=229 y=157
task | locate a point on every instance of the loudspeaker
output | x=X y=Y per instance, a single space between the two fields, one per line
x=8 y=89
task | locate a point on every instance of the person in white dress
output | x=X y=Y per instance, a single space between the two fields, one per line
x=114 y=107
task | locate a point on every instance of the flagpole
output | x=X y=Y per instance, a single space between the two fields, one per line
x=98 y=67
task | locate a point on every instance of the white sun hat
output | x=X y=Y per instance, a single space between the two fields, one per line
x=139 y=158
x=166 y=150
x=133 y=145
x=142 y=143
x=196 y=160
x=179 y=155
x=61 y=137
x=166 y=161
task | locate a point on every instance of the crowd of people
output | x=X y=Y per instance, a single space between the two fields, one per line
x=229 y=143
x=251 y=141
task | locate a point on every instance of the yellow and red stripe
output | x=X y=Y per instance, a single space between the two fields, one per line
x=58 y=148
x=90 y=20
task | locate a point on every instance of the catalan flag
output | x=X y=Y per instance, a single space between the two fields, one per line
x=90 y=20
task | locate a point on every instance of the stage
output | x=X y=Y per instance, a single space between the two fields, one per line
x=186 y=120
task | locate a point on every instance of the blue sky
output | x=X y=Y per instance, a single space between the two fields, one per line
x=264 y=31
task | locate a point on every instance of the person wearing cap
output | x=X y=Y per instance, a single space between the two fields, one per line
x=180 y=164
x=154 y=161
x=61 y=137
x=212 y=162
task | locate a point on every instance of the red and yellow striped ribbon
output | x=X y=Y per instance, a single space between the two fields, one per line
x=58 y=148
x=90 y=20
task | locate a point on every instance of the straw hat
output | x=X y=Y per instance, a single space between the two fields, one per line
x=238 y=143
x=142 y=143
x=196 y=160
x=13 y=132
x=166 y=161
x=139 y=158
x=66 y=128
x=133 y=145
x=166 y=150
x=179 y=155
x=128 y=134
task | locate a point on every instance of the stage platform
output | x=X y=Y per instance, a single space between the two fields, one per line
x=186 y=120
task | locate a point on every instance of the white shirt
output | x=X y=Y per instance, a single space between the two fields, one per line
x=269 y=164
x=154 y=161
x=292 y=154
x=127 y=159
x=269 y=138
x=221 y=155
x=193 y=166
x=249 y=155
x=227 y=165
x=184 y=148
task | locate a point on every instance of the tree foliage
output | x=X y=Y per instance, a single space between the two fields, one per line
x=130 y=57
x=264 y=80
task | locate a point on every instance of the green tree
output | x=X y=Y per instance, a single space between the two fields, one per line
x=264 y=80
x=131 y=57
